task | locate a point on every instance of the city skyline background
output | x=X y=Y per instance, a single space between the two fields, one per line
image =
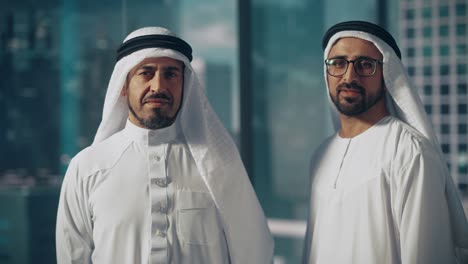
x=261 y=63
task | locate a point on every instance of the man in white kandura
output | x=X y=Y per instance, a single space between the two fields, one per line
x=163 y=181
x=381 y=191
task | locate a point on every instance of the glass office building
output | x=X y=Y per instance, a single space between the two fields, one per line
x=434 y=39
x=261 y=63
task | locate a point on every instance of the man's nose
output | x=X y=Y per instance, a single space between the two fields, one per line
x=350 y=74
x=157 y=83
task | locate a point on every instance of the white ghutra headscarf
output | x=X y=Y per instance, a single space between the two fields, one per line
x=212 y=148
x=403 y=102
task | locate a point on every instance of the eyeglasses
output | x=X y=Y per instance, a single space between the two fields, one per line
x=364 y=67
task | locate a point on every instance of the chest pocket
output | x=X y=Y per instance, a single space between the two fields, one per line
x=197 y=218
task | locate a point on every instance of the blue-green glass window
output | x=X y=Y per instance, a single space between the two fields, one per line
x=427 y=32
x=461 y=108
x=443 y=11
x=462 y=88
x=461 y=69
x=444 y=89
x=443 y=30
x=461 y=9
x=427 y=12
x=410 y=52
x=427 y=71
x=461 y=29
x=410 y=33
x=444 y=50
x=445 y=129
x=411 y=71
x=444 y=69
x=410 y=14
x=446 y=148
x=427 y=89
x=428 y=109
x=461 y=49
x=462 y=147
x=427 y=51
x=462 y=129
x=444 y=109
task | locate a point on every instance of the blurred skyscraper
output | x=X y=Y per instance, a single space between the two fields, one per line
x=434 y=39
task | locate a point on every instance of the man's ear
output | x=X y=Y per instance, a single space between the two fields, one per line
x=124 y=91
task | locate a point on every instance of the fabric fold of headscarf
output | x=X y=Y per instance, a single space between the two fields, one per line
x=362 y=26
x=154 y=41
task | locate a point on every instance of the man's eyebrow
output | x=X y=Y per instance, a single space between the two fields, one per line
x=147 y=67
x=172 y=68
x=153 y=68
x=338 y=57
x=355 y=58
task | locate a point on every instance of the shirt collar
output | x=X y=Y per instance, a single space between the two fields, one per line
x=150 y=136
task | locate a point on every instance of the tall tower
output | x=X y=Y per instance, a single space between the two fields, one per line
x=433 y=38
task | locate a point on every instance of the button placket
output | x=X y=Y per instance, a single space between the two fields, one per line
x=158 y=192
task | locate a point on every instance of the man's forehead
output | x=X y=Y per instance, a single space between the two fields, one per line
x=354 y=47
x=159 y=62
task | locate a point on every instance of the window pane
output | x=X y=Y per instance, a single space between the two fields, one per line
x=445 y=129
x=444 y=70
x=444 y=50
x=462 y=108
x=444 y=109
x=443 y=11
x=462 y=88
x=427 y=51
x=427 y=89
x=461 y=9
x=410 y=14
x=443 y=30
x=427 y=71
x=427 y=32
x=461 y=30
x=461 y=69
x=444 y=89
x=410 y=33
x=427 y=12
x=461 y=49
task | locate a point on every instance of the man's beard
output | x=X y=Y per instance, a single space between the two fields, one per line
x=355 y=106
x=157 y=120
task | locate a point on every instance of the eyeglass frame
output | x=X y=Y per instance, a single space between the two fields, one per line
x=375 y=61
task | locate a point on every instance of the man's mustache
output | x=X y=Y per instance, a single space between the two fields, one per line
x=158 y=96
x=351 y=86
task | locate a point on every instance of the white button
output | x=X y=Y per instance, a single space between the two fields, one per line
x=160 y=233
x=159 y=207
x=162 y=209
x=161 y=182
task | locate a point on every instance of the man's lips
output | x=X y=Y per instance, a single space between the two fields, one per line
x=157 y=101
x=349 y=92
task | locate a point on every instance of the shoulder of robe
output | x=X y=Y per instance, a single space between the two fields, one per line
x=102 y=156
x=409 y=142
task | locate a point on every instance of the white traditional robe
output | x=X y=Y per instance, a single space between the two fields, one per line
x=138 y=198
x=380 y=198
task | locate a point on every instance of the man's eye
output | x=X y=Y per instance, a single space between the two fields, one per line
x=366 y=64
x=146 y=73
x=170 y=74
x=338 y=63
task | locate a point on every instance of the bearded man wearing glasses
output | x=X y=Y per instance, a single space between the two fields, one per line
x=380 y=188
